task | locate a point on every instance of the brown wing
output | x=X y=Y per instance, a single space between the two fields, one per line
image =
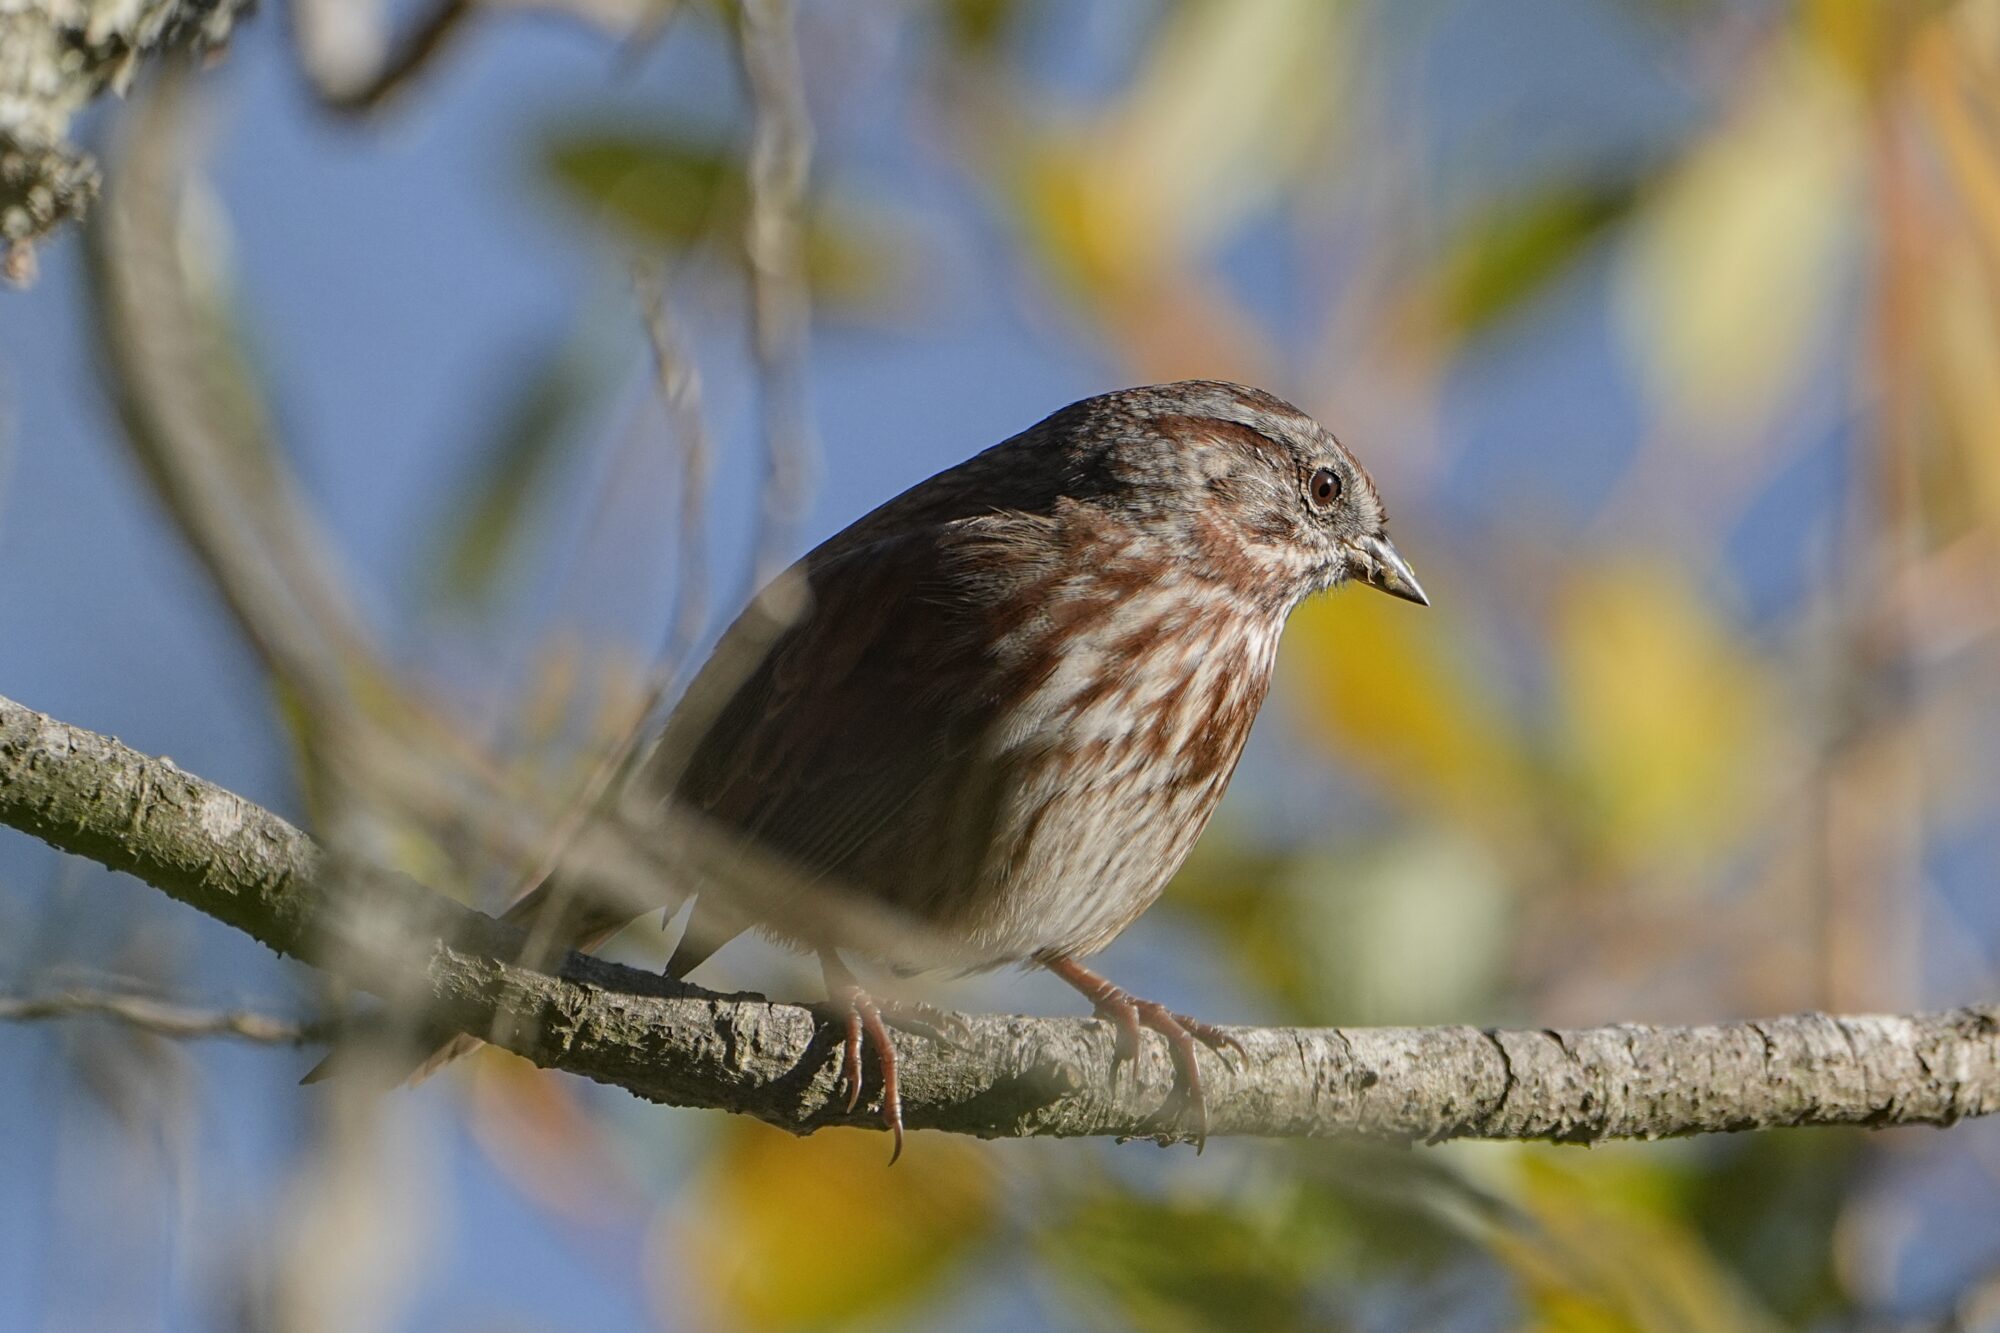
x=849 y=743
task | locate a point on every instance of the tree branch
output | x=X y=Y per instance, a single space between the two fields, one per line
x=54 y=60
x=1007 y=1076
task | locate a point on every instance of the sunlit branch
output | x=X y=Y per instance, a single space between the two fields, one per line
x=1004 y=1076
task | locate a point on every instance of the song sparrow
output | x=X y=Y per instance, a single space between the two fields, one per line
x=1012 y=696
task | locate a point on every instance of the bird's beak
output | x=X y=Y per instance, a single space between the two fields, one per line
x=1378 y=564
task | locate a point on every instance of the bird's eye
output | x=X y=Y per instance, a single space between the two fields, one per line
x=1325 y=488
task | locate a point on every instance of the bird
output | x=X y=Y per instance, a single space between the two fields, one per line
x=984 y=724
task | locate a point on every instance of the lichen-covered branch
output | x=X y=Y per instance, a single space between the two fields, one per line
x=1003 y=1076
x=55 y=57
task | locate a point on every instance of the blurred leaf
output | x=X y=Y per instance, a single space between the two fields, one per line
x=1769 y=1204
x=663 y=191
x=666 y=193
x=977 y=27
x=1414 y=931
x=1223 y=110
x=1307 y=1235
x=1388 y=686
x=1864 y=39
x=539 y=1130
x=1965 y=338
x=1515 y=249
x=1402 y=930
x=1666 y=709
x=1734 y=267
x=1959 y=301
x=538 y=420
x=808 y=1233
x=1596 y=1260
x=1184 y=1266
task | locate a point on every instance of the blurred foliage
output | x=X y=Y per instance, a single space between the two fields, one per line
x=1516 y=248
x=1594 y=1258
x=1624 y=765
x=670 y=192
x=1288 y=1246
x=810 y=1233
x=547 y=398
x=1668 y=714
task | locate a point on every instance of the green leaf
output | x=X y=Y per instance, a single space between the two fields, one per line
x=1767 y=1204
x=662 y=190
x=554 y=390
x=1514 y=249
x=1181 y=1265
x=665 y=192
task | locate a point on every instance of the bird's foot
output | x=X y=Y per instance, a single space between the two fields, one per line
x=1129 y=1015
x=864 y=1020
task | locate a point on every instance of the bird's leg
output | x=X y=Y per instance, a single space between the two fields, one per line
x=1130 y=1014
x=862 y=1019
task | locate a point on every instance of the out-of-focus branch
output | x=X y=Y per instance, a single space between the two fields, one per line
x=196 y=424
x=1006 y=1076
x=774 y=243
x=162 y=1018
x=337 y=46
x=678 y=382
x=192 y=415
x=55 y=58
x=355 y=68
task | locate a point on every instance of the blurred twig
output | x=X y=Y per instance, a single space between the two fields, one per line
x=355 y=69
x=197 y=426
x=774 y=243
x=679 y=387
x=1006 y=1077
x=191 y=416
x=162 y=1018
x=336 y=45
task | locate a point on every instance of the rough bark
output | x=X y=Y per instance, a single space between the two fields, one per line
x=1005 y=1076
x=56 y=56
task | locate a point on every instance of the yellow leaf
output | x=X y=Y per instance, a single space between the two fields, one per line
x=809 y=1233
x=1666 y=710
x=1383 y=683
x=1226 y=105
x=1734 y=266
x=1589 y=1265
x=1223 y=109
x=1967 y=348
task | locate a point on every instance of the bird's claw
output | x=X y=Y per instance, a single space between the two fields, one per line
x=1129 y=1015
x=861 y=1020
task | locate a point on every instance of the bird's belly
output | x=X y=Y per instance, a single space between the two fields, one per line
x=1093 y=860
x=1114 y=779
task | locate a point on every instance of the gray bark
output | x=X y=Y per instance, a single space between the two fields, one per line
x=56 y=56
x=1005 y=1076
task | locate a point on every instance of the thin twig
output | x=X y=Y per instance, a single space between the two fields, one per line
x=162 y=1018
x=774 y=244
x=677 y=381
